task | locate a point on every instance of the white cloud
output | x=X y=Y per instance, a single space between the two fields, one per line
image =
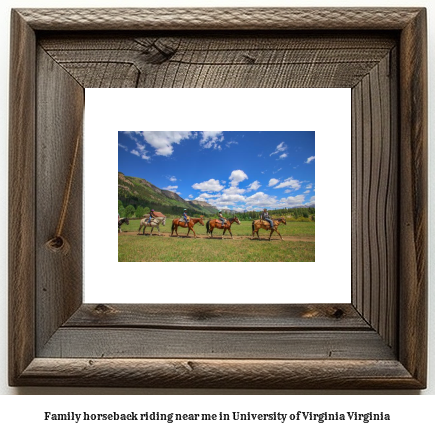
x=261 y=200
x=190 y=196
x=280 y=148
x=233 y=190
x=282 y=156
x=227 y=198
x=211 y=139
x=163 y=141
x=140 y=150
x=254 y=186
x=205 y=196
x=172 y=178
x=273 y=182
x=232 y=197
x=292 y=201
x=123 y=147
x=237 y=176
x=294 y=184
x=310 y=159
x=309 y=186
x=305 y=192
x=210 y=185
x=171 y=188
x=312 y=201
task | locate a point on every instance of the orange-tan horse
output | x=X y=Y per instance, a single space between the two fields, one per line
x=190 y=224
x=263 y=224
x=217 y=224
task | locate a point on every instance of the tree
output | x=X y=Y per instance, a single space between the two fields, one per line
x=129 y=211
x=139 y=211
x=146 y=210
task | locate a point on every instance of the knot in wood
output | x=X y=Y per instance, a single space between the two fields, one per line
x=58 y=244
x=103 y=309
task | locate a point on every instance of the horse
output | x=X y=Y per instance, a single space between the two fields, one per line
x=190 y=224
x=121 y=221
x=217 y=224
x=155 y=222
x=263 y=224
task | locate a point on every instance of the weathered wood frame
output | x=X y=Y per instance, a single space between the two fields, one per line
x=377 y=341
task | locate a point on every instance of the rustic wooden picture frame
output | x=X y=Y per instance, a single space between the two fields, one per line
x=377 y=341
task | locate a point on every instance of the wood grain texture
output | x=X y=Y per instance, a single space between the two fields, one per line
x=249 y=374
x=60 y=105
x=220 y=18
x=379 y=342
x=127 y=342
x=22 y=192
x=375 y=198
x=220 y=317
x=235 y=60
x=413 y=188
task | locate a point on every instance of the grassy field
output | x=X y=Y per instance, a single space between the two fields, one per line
x=298 y=245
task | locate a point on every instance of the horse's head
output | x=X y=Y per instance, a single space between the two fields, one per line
x=201 y=221
x=164 y=221
x=126 y=221
x=236 y=220
x=283 y=221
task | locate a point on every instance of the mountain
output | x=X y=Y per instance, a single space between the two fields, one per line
x=136 y=191
x=202 y=204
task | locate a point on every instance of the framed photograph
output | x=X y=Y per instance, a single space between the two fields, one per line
x=375 y=341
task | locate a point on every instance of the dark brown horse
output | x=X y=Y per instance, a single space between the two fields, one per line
x=217 y=224
x=190 y=224
x=122 y=221
x=263 y=224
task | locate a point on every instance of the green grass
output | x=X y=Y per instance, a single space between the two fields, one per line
x=132 y=248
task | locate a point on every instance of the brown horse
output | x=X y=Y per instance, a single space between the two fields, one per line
x=190 y=224
x=217 y=224
x=263 y=224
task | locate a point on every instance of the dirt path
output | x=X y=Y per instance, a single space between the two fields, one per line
x=219 y=237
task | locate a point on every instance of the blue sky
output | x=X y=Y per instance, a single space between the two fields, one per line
x=239 y=170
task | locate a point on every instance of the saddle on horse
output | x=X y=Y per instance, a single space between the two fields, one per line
x=266 y=223
x=183 y=222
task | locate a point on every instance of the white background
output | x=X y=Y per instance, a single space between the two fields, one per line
x=412 y=413
x=325 y=111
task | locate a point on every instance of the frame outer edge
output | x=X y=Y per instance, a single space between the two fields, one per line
x=21 y=196
x=413 y=196
x=413 y=218
x=219 y=18
x=230 y=373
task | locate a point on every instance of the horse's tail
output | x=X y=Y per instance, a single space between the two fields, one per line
x=252 y=228
x=207 y=225
x=173 y=227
